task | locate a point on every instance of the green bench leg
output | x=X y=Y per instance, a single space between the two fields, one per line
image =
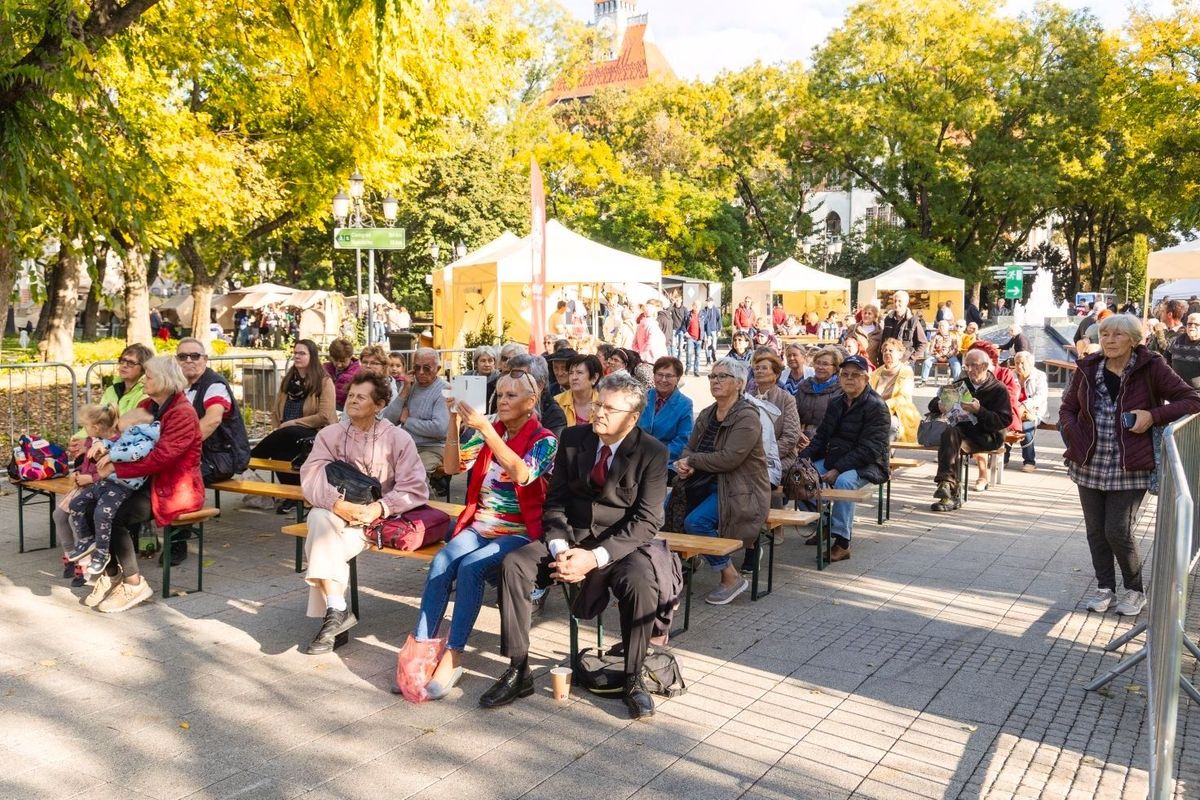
x=300 y=517
x=824 y=537
x=27 y=497
x=168 y=539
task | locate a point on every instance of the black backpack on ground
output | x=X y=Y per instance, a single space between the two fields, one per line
x=603 y=674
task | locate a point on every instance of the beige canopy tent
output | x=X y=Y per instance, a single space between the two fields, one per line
x=800 y=288
x=926 y=289
x=178 y=309
x=495 y=280
x=1172 y=263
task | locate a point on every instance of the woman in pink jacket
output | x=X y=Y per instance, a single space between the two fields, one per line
x=335 y=526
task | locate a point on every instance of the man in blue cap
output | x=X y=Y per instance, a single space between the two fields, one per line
x=850 y=448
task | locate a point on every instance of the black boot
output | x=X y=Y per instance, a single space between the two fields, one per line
x=336 y=623
x=637 y=699
x=515 y=682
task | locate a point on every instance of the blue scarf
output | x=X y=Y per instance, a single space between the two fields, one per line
x=820 y=387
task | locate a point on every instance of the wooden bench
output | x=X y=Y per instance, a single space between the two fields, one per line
x=776 y=518
x=35 y=493
x=689 y=547
x=278 y=491
x=56 y=486
x=828 y=498
x=273 y=465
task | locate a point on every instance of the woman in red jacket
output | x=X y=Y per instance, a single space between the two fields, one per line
x=1106 y=419
x=175 y=486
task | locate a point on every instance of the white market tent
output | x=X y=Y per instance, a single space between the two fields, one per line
x=1175 y=264
x=1183 y=289
x=926 y=289
x=799 y=287
x=495 y=280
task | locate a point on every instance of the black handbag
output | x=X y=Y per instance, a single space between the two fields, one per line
x=352 y=484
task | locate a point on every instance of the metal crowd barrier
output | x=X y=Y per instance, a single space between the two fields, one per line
x=254 y=379
x=1175 y=553
x=38 y=399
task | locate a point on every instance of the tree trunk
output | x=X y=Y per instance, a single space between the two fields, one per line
x=137 y=297
x=976 y=287
x=58 y=343
x=8 y=272
x=202 y=296
x=91 y=313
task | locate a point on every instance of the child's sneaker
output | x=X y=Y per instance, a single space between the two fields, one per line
x=97 y=564
x=81 y=549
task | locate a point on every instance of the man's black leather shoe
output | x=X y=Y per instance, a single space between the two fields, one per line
x=333 y=629
x=637 y=699
x=515 y=682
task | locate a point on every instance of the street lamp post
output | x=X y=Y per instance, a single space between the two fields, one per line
x=833 y=251
x=349 y=210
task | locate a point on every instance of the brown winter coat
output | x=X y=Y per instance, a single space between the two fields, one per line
x=743 y=489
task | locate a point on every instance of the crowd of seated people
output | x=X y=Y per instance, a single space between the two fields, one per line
x=570 y=485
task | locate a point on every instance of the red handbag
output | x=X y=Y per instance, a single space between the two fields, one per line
x=414 y=529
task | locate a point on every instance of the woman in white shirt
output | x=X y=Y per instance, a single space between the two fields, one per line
x=1035 y=397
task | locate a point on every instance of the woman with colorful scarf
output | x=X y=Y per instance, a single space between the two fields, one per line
x=512 y=461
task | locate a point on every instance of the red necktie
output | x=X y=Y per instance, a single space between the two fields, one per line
x=599 y=472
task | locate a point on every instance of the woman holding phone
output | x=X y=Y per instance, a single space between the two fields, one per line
x=513 y=457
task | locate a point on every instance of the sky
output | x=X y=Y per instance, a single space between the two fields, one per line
x=702 y=37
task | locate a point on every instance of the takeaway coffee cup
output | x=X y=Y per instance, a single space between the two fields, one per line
x=560 y=682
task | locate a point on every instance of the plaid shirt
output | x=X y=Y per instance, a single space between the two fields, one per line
x=1103 y=470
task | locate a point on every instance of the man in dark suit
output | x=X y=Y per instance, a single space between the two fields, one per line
x=603 y=507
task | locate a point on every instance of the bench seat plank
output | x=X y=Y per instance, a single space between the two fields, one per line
x=687 y=545
x=280 y=491
x=272 y=465
x=61 y=485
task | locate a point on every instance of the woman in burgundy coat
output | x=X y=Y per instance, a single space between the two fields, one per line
x=1111 y=461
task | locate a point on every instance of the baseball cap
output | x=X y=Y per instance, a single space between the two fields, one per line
x=856 y=361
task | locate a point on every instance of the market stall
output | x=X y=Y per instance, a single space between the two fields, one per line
x=800 y=288
x=926 y=289
x=494 y=281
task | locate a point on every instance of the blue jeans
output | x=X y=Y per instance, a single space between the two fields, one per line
x=703 y=521
x=463 y=564
x=841 y=515
x=692 y=355
x=1029 y=427
x=927 y=367
x=679 y=343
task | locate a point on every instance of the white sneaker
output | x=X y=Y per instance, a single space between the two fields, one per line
x=1131 y=603
x=125 y=596
x=104 y=584
x=1101 y=600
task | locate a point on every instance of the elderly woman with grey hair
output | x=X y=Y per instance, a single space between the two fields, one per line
x=485 y=363
x=1115 y=399
x=724 y=473
x=1036 y=393
x=550 y=412
x=174 y=486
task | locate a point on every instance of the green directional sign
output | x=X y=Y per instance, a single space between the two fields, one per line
x=368 y=239
x=1014 y=281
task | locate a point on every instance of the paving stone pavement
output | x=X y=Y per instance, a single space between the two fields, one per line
x=946 y=659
